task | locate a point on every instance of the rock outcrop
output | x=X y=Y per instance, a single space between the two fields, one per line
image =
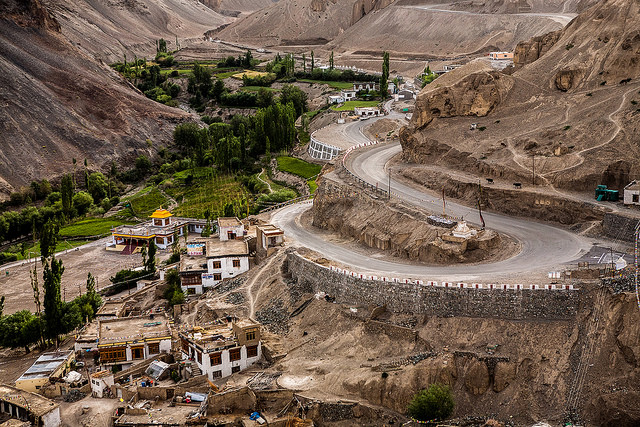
x=528 y=51
x=476 y=94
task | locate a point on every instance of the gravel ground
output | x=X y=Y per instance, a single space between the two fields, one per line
x=275 y=317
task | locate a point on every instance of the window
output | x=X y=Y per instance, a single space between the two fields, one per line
x=217 y=276
x=154 y=348
x=215 y=358
x=191 y=291
x=137 y=352
x=251 y=335
x=235 y=369
x=157 y=222
x=113 y=354
x=191 y=279
x=160 y=240
x=636 y=197
x=236 y=263
x=252 y=351
x=217 y=264
x=198 y=357
x=234 y=354
x=231 y=235
x=185 y=345
x=216 y=374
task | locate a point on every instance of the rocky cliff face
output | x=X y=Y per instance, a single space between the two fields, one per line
x=530 y=50
x=476 y=94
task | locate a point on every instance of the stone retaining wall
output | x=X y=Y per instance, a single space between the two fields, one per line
x=619 y=227
x=518 y=304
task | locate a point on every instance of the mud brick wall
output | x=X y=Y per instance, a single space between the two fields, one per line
x=442 y=302
x=619 y=227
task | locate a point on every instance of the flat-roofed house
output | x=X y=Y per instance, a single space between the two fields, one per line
x=127 y=340
x=222 y=349
x=54 y=364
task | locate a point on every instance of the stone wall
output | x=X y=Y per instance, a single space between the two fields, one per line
x=619 y=227
x=443 y=302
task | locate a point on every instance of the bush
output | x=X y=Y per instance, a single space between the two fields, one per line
x=433 y=403
x=82 y=201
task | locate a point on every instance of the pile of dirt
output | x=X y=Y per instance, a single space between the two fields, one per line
x=58 y=103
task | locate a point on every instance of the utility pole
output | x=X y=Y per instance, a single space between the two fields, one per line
x=533 y=169
x=613 y=269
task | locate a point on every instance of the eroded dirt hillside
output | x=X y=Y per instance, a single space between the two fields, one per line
x=572 y=105
x=109 y=29
x=520 y=371
x=59 y=104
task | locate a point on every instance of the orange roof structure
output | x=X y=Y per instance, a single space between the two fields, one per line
x=161 y=213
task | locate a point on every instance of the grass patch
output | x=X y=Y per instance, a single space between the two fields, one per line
x=312 y=185
x=257 y=88
x=207 y=190
x=274 y=185
x=350 y=105
x=90 y=227
x=61 y=246
x=250 y=74
x=335 y=85
x=312 y=114
x=146 y=201
x=298 y=167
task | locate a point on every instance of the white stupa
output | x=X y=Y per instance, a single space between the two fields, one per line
x=463 y=230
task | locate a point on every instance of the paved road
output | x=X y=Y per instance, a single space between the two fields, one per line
x=562 y=18
x=544 y=247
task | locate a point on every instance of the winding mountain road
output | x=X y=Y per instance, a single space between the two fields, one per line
x=543 y=247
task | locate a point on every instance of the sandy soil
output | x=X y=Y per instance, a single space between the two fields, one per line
x=15 y=283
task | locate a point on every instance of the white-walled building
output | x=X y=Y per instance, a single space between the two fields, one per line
x=336 y=99
x=230 y=228
x=348 y=95
x=127 y=340
x=222 y=349
x=367 y=111
x=101 y=381
x=161 y=228
x=632 y=193
x=221 y=260
x=358 y=86
x=268 y=238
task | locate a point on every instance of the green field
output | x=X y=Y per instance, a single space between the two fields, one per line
x=34 y=250
x=146 y=201
x=90 y=227
x=335 y=85
x=298 y=167
x=350 y=105
x=257 y=88
x=208 y=190
x=181 y=72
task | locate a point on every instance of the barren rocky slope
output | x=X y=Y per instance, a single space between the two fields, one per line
x=299 y=22
x=572 y=103
x=108 y=29
x=58 y=103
